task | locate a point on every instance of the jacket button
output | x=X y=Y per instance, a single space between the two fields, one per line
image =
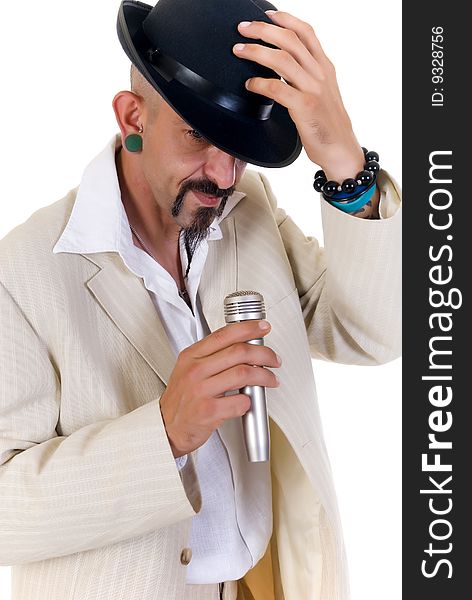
x=186 y=556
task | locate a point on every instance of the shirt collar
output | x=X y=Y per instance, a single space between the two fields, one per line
x=97 y=217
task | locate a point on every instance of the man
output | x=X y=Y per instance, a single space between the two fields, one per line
x=123 y=466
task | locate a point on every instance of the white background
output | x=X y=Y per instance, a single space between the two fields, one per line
x=61 y=64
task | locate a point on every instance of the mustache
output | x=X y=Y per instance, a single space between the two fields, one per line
x=204 y=186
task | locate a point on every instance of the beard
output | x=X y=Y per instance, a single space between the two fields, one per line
x=199 y=228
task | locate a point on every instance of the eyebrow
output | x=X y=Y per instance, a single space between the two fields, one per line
x=179 y=121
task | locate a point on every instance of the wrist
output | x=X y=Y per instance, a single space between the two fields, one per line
x=174 y=448
x=353 y=195
x=371 y=209
x=343 y=164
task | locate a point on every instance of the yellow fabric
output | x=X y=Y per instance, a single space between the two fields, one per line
x=258 y=583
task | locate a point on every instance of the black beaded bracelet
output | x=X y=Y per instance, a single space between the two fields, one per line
x=348 y=190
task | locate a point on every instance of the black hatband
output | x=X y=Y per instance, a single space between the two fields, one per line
x=170 y=69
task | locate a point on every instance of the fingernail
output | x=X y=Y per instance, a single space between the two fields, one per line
x=239 y=47
x=270 y=12
x=264 y=325
x=277 y=379
x=279 y=360
x=244 y=23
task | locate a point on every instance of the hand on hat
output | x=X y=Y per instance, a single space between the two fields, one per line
x=309 y=90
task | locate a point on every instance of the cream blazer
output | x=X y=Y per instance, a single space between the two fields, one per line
x=92 y=505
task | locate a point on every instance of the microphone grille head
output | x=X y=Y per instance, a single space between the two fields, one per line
x=243 y=293
x=244 y=305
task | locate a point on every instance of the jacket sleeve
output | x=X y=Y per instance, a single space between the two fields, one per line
x=350 y=290
x=104 y=483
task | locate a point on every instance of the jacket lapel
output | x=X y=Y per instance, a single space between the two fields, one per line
x=126 y=301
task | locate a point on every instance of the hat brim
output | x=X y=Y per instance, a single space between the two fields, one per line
x=271 y=143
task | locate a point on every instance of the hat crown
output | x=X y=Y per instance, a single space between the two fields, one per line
x=201 y=34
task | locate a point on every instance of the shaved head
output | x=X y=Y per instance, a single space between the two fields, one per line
x=142 y=88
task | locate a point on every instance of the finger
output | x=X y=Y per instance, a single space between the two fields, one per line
x=277 y=90
x=216 y=410
x=285 y=39
x=236 y=378
x=228 y=335
x=236 y=405
x=303 y=30
x=280 y=61
x=236 y=354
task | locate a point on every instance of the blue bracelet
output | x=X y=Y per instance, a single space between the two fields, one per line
x=350 y=207
x=344 y=196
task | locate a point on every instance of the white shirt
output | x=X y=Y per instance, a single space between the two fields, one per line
x=98 y=223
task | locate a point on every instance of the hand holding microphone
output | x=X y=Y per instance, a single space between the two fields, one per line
x=193 y=404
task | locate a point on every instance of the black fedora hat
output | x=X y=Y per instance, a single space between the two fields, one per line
x=184 y=49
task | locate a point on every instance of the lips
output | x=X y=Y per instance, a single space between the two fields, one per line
x=207 y=200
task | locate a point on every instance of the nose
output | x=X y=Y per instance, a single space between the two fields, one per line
x=220 y=168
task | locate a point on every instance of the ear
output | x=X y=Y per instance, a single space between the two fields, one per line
x=128 y=109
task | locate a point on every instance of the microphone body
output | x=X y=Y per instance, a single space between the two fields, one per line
x=246 y=306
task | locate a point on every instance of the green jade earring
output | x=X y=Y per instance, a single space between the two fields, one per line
x=134 y=142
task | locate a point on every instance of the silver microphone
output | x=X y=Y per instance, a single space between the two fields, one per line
x=246 y=306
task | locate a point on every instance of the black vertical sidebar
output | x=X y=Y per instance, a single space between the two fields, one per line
x=437 y=331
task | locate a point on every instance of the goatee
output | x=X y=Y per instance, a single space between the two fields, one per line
x=199 y=228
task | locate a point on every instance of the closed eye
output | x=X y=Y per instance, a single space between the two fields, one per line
x=195 y=135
